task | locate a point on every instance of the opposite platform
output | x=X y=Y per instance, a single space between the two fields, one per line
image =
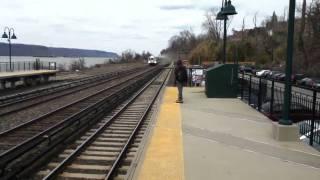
x=25 y=77
x=223 y=139
x=18 y=74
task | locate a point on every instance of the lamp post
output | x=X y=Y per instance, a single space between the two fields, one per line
x=270 y=32
x=9 y=37
x=285 y=120
x=226 y=10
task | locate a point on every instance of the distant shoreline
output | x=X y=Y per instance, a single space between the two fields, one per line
x=60 y=57
x=44 y=51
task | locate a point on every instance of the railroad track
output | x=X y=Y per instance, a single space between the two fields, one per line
x=107 y=150
x=19 y=146
x=35 y=92
x=18 y=102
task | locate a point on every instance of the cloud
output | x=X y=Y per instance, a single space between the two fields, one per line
x=59 y=28
x=183 y=27
x=27 y=20
x=188 y=7
x=137 y=37
x=128 y=26
x=177 y=7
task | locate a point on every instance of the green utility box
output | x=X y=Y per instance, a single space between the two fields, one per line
x=222 y=81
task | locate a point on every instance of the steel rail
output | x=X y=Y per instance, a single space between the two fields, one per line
x=86 y=86
x=62 y=108
x=59 y=88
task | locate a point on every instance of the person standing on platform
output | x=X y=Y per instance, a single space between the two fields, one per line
x=181 y=77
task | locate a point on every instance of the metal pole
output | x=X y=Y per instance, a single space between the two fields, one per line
x=242 y=86
x=9 y=39
x=314 y=102
x=225 y=40
x=285 y=120
x=259 y=94
x=272 y=56
x=250 y=82
x=272 y=98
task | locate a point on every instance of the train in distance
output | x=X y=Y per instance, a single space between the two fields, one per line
x=152 y=61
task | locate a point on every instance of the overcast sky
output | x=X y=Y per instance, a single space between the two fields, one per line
x=116 y=25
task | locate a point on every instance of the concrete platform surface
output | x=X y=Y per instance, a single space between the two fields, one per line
x=5 y=75
x=226 y=139
x=222 y=139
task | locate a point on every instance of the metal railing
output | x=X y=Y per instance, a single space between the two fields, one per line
x=266 y=95
x=27 y=66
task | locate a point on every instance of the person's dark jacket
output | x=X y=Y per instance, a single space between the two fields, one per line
x=180 y=73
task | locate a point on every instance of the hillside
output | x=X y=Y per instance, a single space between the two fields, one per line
x=43 y=51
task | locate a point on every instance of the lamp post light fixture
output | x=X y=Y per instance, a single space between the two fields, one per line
x=9 y=37
x=227 y=9
x=270 y=32
x=285 y=120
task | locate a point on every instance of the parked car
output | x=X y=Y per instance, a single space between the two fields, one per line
x=268 y=74
x=271 y=74
x=254 y=71
x=246 y=69
x=315 y=84
x=241 y=68
x=312 y=83
x=297 y=77
x=278 y=76
x=262 y=73
x=275 y=75
x=281 y=77
x=304 y=81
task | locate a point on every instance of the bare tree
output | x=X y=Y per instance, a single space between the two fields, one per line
x=243 y=27
x=128 y=55
x=78 y=64
x=212 y=25
x=254 y=20
x=301 y=44
x=285 y=12
x=183 y=43
x=145 y=55
x=255 y=26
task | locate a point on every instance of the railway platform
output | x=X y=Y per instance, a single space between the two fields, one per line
x=11 y=79
x=221 y=139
